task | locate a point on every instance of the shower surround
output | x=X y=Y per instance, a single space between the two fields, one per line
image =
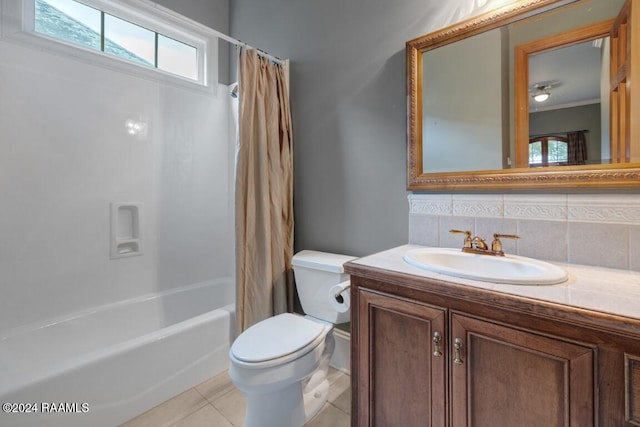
x=69 y=156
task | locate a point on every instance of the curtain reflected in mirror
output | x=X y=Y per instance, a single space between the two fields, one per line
x=577 y=148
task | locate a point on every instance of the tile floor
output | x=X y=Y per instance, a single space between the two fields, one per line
x=217 y=403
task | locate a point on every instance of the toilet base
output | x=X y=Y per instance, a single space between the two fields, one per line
x=288 y=407
x=284 y=408
x=315 y=399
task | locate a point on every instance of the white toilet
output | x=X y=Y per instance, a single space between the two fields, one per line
x=281 y=363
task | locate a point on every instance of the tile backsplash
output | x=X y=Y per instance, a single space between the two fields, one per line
x=600 y=230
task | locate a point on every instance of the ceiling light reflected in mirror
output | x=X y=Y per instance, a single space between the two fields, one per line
x=541 y=93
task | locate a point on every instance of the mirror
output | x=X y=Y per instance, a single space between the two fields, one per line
x=567 y=93
x=472 y=129
x=562 y=88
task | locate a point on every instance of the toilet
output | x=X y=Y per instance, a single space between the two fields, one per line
x=281 y=363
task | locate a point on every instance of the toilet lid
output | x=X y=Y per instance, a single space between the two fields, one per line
x=275 y=337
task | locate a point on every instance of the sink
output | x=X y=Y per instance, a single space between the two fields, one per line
x=508 y=269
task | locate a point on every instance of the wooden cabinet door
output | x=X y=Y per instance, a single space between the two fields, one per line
x=401 y=369
x=507 y=377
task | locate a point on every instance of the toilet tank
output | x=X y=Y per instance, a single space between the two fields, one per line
x=315 y=274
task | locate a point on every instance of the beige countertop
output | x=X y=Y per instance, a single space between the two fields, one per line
x=598 y=289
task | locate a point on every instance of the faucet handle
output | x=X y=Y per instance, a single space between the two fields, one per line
x=496 y=245
x=467 y=237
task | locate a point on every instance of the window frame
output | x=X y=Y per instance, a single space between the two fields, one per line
x=18 y=25
x=544 y=140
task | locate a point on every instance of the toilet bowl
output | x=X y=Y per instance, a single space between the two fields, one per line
x=281 y=364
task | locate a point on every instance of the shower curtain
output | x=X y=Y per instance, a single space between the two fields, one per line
x=264 y=191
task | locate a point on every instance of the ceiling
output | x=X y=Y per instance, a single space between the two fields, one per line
x=573 y=73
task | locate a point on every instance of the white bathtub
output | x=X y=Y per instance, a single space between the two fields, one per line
x=111 y=363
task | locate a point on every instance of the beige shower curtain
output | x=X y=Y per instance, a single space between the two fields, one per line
x=264 y=192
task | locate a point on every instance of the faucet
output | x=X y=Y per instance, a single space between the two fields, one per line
x=477 y=245
x=468 y=242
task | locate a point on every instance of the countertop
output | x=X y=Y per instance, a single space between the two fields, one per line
x=597 y=289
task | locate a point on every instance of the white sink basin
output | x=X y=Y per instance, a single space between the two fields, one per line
x=509 y=269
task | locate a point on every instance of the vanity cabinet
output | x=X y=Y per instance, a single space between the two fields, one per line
x=402 y=368
x=502 y=376
x=433 y=353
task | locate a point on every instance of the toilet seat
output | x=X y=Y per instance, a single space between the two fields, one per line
x=277 y=340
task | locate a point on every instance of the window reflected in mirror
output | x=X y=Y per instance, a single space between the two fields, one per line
x=548 y=150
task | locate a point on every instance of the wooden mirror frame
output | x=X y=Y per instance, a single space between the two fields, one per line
x=558 y=177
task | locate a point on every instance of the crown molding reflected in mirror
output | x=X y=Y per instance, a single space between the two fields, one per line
x=558 y=177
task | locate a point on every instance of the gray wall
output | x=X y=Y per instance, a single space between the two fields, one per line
x=349 y=112
x=462 y=107
x=348 y=103
x=571 y=119
x=348 y=94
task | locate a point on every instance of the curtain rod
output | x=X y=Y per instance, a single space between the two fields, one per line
x=216 y=33
x=239 y=43
x=558 y=133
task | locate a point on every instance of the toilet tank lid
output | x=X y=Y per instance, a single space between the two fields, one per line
x=321 y=260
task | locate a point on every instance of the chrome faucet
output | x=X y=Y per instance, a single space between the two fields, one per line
x=477 y=245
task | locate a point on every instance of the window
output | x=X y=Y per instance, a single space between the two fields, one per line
x=144 y=35
x=69 y=21
x=548 y=150
x=127 y=40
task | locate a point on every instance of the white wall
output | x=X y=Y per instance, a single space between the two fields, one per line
x=65 y=156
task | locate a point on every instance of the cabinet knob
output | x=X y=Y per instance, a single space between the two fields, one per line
x=436 y=344
x=457 y=347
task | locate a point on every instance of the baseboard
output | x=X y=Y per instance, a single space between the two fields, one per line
x=341 y=359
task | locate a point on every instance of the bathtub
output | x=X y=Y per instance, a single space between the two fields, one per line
x=102 y=367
